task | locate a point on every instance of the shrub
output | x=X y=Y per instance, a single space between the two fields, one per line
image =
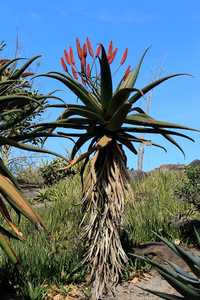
x=51 y=174
x=189 y=188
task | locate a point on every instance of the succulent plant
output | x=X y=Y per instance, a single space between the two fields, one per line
x=186 y=284
x=106 y=122
x=17 y=104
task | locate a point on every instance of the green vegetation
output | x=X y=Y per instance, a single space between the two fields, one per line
x=52 y=257
x=58 y=261
x=54 y=171
x=189 y=188
x=153 y=207
x=84 y=215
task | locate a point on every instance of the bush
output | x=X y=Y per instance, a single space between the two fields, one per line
x=189 y=188
x=51 y=173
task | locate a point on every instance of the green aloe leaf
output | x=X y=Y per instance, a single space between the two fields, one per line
x=146 y=120
x=140 y=140
x=6 y=172
x=20 y=71
x=118 y=118
x=14 y=197
x=184 y=275
x=127 y=144
x=6 y=65
x=118 y=99
x=83 y=112
x=152 y=85
x=156 y=131
x=6 y=246
x=173 y=278
x=60 y=124
x=106 y=80
x=16 y=100
x=80 y=142
x=13 y=143
x=171 y=140
x=130 y=81
x=197 y=235
x=191 y=260
x=78 y=90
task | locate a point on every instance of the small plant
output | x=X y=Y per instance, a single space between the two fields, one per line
x=187 y=284
x=34 y=292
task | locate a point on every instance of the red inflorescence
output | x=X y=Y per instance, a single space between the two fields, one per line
x=71 y=56
x=128 y=70
x=98 y=51
x=83 y=63
x=86 y=69
x=110 y=60
x=79 y=49
x=67 y=58
x=110 y=49
x=89 y=46
x=84 y=50
x=63 y=64
x=124 y=56
x=74 y=73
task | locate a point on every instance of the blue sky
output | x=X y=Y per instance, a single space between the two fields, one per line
x=170 y=27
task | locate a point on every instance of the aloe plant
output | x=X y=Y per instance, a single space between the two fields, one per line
x=106 y=122
x=17 y=105
x=186 y=284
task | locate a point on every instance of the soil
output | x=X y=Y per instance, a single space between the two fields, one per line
x=132 y=290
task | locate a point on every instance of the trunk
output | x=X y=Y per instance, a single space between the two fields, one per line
x=104 y=192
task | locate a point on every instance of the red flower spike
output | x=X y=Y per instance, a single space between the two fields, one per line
x=63 y=64
x=98 y=51
x=90 y=49
x=112 y=57
x=67 y=57
x=124 y=56
x=84 y=50
x=71 y=56
x=79 y=50
x=74 y=73
x=110 y=48
x=83 y=62
x=128 y=70
x=88 y=71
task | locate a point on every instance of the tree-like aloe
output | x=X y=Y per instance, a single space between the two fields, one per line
x=17 y=105
x=107 y=121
